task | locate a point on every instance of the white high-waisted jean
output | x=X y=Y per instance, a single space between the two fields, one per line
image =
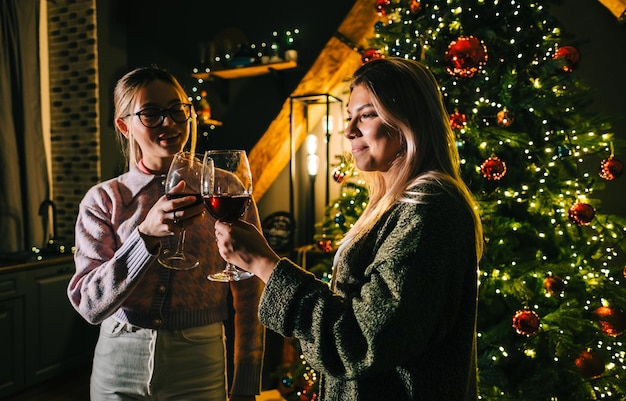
x=133 y=363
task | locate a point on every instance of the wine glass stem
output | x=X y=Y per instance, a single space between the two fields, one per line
x=181 y=241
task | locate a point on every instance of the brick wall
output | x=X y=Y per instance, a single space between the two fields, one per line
x=74 y=126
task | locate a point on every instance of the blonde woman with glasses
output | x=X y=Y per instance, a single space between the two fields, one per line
x=161 y=330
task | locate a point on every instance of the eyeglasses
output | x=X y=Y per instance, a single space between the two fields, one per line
x=153 y=117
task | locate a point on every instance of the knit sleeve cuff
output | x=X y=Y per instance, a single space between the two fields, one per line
x=135 y=253
x=282 y=288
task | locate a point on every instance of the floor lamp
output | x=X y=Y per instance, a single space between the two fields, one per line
x=299 y=115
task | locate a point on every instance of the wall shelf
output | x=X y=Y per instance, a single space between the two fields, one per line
x=249 y=71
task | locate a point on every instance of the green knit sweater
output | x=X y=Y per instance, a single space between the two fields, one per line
x=401 y=322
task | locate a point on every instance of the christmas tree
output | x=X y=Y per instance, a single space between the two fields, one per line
x=552 y=302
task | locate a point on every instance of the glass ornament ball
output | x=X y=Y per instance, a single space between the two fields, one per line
x=611 y=169
x=493 y=168
x=465 y=57
x=340 y=219
x=612 y=320
x=562 y=151
x=568 y=56
x=369 y=55
x=286 y=385
x=415 y=6
x=554 y=284
x=504 y=118
x=526 y=322
x=581 y=213
x=590 y=363
x=383 y=7
x=338 y=175
x=458 y=120
x=325 y=245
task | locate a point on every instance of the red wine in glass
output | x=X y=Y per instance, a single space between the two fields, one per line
x=226 y=207
x=227 y=194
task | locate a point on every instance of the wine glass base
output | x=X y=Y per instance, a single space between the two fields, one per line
x=178 y=262
x=230 y=275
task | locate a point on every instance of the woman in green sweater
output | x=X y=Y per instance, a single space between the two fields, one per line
x=399 y=322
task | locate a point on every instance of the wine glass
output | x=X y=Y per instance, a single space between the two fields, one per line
x=186 y=166
x=229 y=197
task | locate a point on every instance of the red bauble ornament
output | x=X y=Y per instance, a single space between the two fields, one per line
x=611 y=168
x=415 y=6
x=382 y=7
x=553 y=284
x=590 y=364
x=581 y=213
x=465 y=57
x=493 y=168
x=526 y=322
x=613 y=320
x=504 y=118
x=339 y=175
x=325 y=245
x=570 y=55
x=458 y=120
x=369 y=55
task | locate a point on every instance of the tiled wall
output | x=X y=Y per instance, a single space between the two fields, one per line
x=75 y=133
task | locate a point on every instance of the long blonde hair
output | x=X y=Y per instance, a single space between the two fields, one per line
x=407 y=98
x=124 y=97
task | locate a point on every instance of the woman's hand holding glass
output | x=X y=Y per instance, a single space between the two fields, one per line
x=241 y=243
x=185 y=171
x=227 y=196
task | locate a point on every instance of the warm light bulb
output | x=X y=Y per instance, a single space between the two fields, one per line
x=328 y=123
x=313 y=163
x=311 y=144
